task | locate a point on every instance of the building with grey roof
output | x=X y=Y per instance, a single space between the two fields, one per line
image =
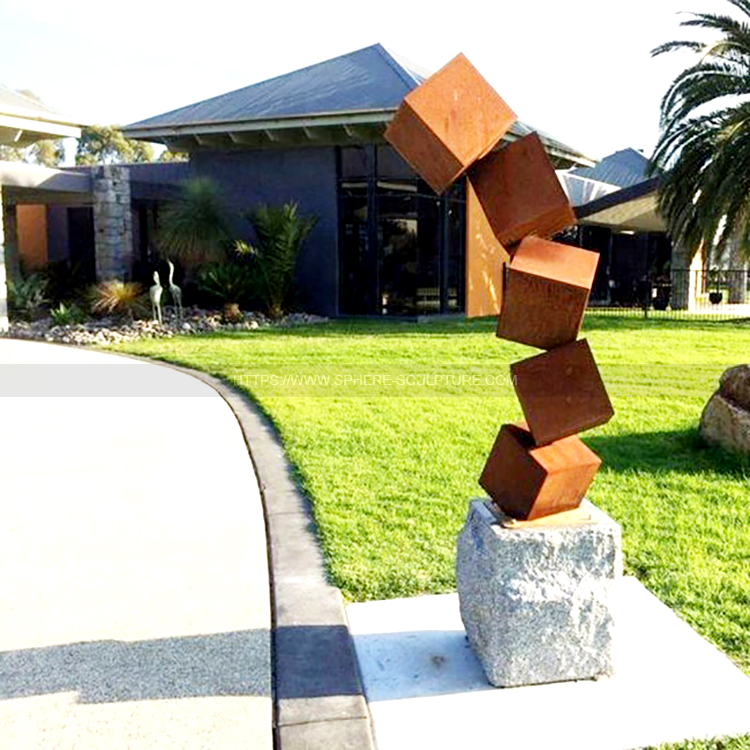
x=384 y=243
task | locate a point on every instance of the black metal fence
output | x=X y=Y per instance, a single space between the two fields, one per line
x=683 y=295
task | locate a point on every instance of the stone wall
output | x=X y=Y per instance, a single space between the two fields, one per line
x=113 y=222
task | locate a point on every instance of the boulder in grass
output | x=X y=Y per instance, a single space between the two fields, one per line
x=726 y=419
x=735 y=386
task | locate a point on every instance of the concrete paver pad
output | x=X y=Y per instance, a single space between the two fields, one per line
x=426 y=688
x=133 y=575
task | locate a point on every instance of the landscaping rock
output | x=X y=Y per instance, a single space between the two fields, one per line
x=536 y=601
x=735 y=385
x=725 y=423
x=110 y=330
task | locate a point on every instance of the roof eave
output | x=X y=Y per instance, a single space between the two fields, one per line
x=345 y=120
x=325 y=119
x=31 y=129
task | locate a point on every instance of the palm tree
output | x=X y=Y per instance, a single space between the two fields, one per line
x=280 y=232
x=703 y=151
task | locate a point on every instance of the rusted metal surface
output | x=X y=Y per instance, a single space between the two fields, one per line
x=443 y=126
x=514 y=201
x=520 y=192
x=485 y=261
x=561 y=392
x=546 y=289
x=529 y=482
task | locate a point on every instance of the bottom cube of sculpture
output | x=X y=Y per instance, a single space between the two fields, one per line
x=536 y=600
x=529 y=482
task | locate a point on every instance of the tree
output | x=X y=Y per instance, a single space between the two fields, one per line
x=9 y=153
x=703 y=149
x=195 y=228
x=170 y=156
x=48 y=153
x=105 y=144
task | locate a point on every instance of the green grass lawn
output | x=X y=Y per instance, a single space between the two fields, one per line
x=390 y=462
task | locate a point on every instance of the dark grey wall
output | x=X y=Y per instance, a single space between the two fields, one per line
x=57 y=233
x=304 y=175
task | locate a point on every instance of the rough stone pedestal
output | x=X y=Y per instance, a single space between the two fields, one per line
x=535 y=599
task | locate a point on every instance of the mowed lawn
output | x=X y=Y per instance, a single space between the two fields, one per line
x=389 y=425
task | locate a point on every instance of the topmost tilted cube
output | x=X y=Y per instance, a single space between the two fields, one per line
x=454 y=118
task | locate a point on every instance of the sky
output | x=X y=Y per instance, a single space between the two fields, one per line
x=580 y=70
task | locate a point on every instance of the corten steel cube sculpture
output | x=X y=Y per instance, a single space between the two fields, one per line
x=547 y=288
x=446 y=124
x=528 y=481
x=520 y=192
x=561 y=392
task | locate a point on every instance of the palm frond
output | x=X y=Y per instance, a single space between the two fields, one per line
x=704 y=156
x=280 y=232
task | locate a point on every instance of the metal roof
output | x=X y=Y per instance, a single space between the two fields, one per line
x=24 y=120
x=348 y=99
x=366 y=80
x=633 y=207
x=623 y=169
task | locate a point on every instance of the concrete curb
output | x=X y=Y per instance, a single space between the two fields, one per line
x=319 y=701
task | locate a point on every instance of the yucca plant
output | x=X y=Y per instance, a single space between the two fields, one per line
x=195 y=227
x=280 y=232
x=123 y=298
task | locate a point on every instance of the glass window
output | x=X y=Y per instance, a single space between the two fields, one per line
x=354 y=161
x=401 y=246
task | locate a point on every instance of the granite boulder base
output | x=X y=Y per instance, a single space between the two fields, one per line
x=536 y=600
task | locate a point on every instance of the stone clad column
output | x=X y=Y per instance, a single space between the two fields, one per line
x=686 y=271
x=113 y=222
x=3 y=284
x=737 y=275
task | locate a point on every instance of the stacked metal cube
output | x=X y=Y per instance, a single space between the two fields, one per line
x=450 y=126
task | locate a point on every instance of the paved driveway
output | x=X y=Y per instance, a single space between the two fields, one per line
x=134 y=598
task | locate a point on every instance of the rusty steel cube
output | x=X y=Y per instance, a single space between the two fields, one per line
x=545 y=293
x=520 y=191
x=448 y=122
x=561 y=392
x=527 y=481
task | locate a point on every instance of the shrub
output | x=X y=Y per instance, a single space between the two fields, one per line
x=27 y=296
x=125 y=298
x=64 y=315
x=227 y=282
x=195 y=227
x=280 y=232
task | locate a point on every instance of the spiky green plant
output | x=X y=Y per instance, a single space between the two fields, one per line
x=280 y=232
x=27 y=294
x=114 y=297
x=704 y=144
x=64 y=315
x=195 y=228
x=227 y=282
